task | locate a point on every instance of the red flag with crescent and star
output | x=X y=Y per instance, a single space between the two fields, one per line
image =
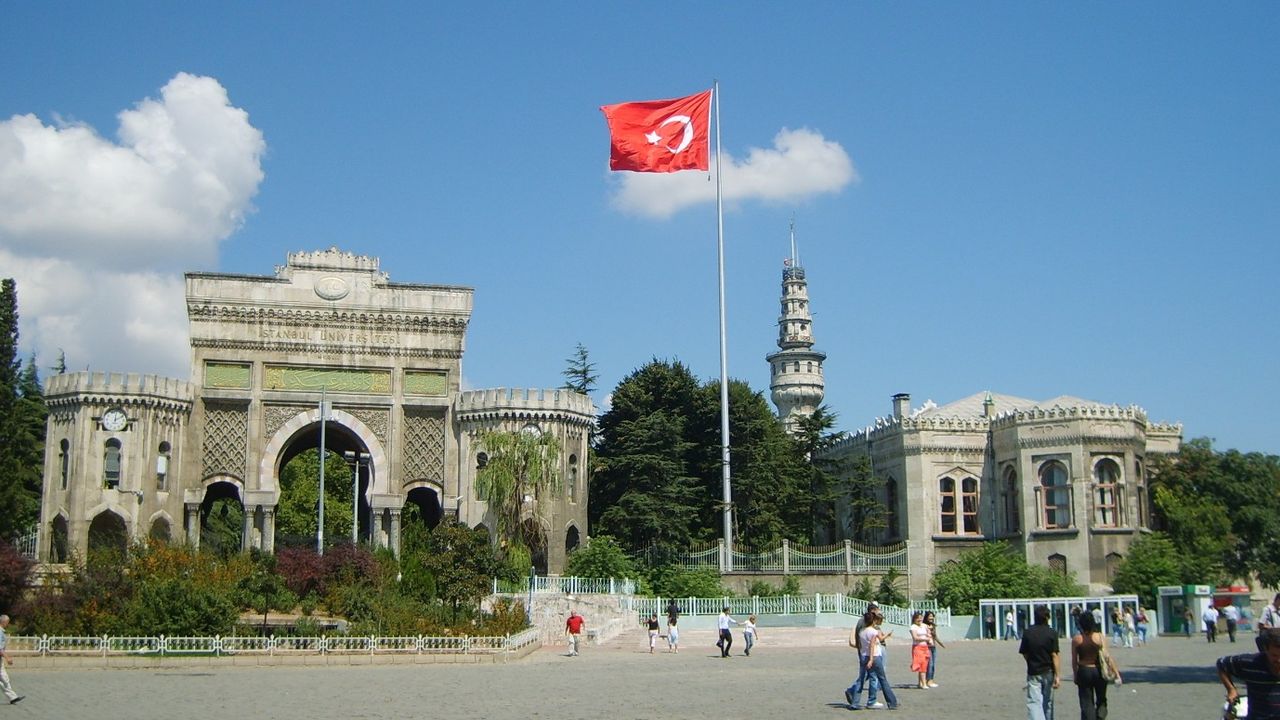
x=660 y=135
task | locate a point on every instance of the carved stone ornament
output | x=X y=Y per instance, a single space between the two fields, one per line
x=332 y=288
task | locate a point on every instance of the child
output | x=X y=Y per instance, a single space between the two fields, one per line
x=673 y=635
x=653 y=632
x=749 y=633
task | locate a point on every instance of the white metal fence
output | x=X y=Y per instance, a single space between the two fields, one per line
x=25 y=543
x=790 y=605
x=542 y=584
x=847 y=557
x=106 y=645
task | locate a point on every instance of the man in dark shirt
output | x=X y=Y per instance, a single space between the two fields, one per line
x=1261 y=675
x=1040 y=649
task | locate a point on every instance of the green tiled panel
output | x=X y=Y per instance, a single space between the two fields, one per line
x=227 y=375
x=283 y=377
x=426 y=383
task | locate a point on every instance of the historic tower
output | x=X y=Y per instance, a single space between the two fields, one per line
x=796 y=369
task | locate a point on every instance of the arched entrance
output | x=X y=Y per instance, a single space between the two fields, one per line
x=58 y=540
x=536 y=537
x=571 y=540
x=160 y=531
x=221 y=518
x=349 y=471
x=108 y=533
x=429 y=509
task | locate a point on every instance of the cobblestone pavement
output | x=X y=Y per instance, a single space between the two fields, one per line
x=792 y=673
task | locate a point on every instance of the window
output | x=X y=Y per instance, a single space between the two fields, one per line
x=1012 y=516
x=111 y=465
x=162 y=466
x=891 y=507
x=1106 y=493
x=1142 y=492
x=1113 y=565
x=64 y=462
x=573 y=478
x=1055 y=496
x=1058 y=564
x=959 y=509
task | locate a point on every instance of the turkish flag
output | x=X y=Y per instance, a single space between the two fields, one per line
x=660 y=135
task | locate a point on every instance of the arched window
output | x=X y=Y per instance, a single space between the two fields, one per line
x=111 y=464
x=64 y=462
x=959 y=509
x=162 y=466
x=1142 y=492
x=1058 y=564
x=1012 y=514
x=1106 y=493
x=891 y=508
x=1055 y=496
x=1113 y=564
x=573 y=479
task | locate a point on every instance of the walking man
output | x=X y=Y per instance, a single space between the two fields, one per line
x=573 y=628
x=1261 y=675
x=1271 y=614
x=1010 y=629
x=1210 y=618
x=1040 y=649
x=1232 y=614
x=13 y=697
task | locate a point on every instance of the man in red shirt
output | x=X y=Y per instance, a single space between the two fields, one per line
x=573 y=628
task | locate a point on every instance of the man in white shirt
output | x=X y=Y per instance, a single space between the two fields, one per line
x=1271 y=614
x=13 y=697
x=1210 y=618
x=1232 y=614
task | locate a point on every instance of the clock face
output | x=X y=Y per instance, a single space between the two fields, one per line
x=114 y=420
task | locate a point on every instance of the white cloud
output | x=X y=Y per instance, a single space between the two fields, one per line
x=97 y=232
x=801 y=163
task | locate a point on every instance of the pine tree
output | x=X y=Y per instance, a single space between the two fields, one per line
x=580 y=375
x=22 y=415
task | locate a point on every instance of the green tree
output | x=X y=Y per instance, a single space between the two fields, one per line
x=828 y=473
x=1221 y=510
x=521 y=469
x=461 y=562
x=867 y=515
x=580 y=374
x=995 y=571
x=297 y=513
x=22 y=417
x=889 y=593
x=601 y=558
x=1152 y=561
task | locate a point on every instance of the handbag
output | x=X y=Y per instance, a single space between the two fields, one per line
x=1106 y=666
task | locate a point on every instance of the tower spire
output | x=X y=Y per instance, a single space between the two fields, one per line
x=797 y=386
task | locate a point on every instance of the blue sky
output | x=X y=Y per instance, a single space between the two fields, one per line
x=1040 y=198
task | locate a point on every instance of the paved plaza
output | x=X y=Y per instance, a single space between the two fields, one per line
x=792 y=673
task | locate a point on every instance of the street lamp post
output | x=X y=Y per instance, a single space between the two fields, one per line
x=355 y=460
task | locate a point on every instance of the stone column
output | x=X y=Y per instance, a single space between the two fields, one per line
x=193 y=525
x=269 y=529
x=246 y=533
x=395 y=531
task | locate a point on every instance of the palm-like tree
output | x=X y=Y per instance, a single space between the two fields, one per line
x=522 y=467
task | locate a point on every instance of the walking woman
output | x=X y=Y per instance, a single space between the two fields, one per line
x=935 y=642
x=919 y=649
x=1088 y=652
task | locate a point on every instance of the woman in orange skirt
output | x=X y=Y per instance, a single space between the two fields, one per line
x=920 y=649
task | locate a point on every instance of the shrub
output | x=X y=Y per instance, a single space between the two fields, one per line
x=15 y=573
x=674 y=581
x=601 y=558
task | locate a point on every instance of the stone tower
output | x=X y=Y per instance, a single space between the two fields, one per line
x=796 y=369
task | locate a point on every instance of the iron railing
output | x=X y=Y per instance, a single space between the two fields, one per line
x=160 y=645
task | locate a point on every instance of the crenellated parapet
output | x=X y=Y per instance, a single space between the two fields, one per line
x=1132 y=413
x=512 y=404
x=119 y=389
x=331 y=259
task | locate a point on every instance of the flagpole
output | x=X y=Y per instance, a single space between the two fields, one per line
x=727 y=565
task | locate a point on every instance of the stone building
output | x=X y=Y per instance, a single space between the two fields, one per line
x=1062 y=480
x=135 y=456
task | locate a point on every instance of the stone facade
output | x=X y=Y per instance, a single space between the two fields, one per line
x=143 y=456
x=1063 y=480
